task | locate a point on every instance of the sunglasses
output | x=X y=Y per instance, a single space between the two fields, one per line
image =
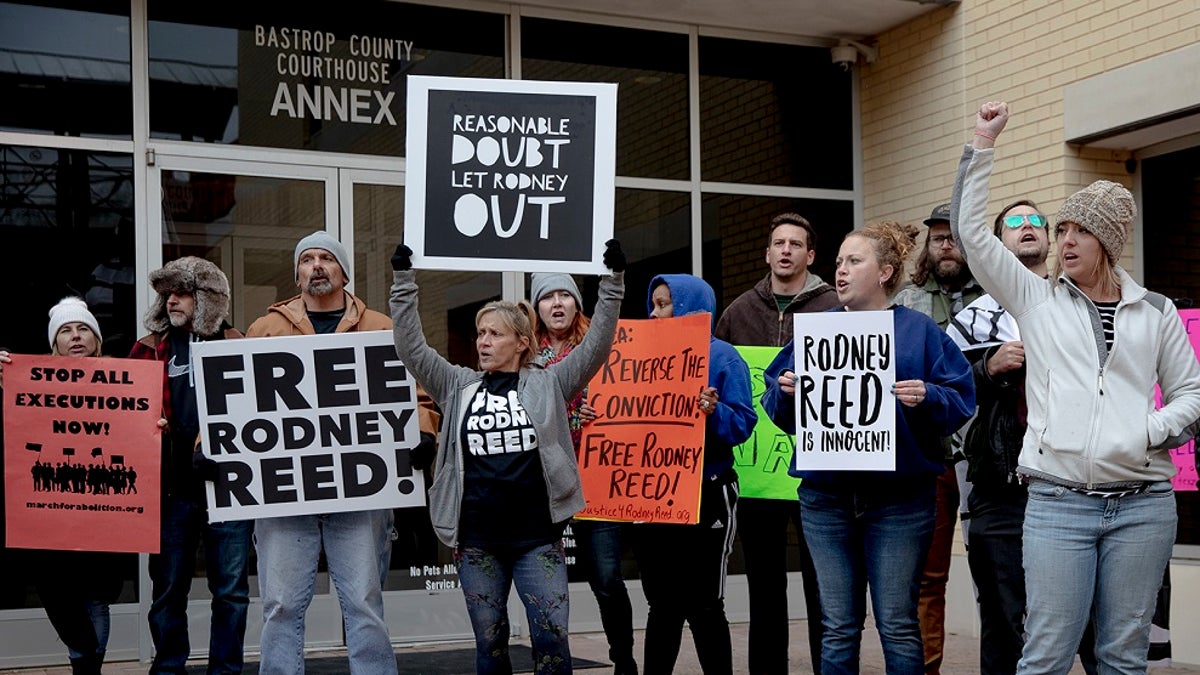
x=1034 y=219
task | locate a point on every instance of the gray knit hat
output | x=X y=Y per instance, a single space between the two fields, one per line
x=548 y=282
x=71 y=310
x=323 y=240
x=1106 y=209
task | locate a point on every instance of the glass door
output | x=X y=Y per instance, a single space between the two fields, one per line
x=421 y=596
x=245 y=217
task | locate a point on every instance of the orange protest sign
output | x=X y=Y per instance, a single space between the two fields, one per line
x=82 y=452
x=642 y=458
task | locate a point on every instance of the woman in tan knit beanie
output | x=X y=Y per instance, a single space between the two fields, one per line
x=1100 y=520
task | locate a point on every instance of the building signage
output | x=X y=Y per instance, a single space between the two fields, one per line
x=321 y=76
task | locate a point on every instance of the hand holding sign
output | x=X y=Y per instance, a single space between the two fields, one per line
x=402 y=258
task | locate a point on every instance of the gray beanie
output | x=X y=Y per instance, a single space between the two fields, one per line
x=548 y=282
x=1106 y=209
x=71 y=310
x=325 y=241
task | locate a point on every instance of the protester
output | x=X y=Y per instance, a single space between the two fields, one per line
x=76 y=588
x=763 y=316
x=942 y=286
x=991 y=341
x=502 y=498
x=683 y=566
x=289 y=547
x=1100 y=519
x=191 y=304
x=561 y=326
x=874 y=527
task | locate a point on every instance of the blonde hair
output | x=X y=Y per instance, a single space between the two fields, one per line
x=892 y=242
x=518 y=317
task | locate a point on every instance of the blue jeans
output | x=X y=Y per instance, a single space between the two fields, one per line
x=226 y=562
x=540 y=575
x=600 y=546
x=101 y=621
x=1081 y=550
x=763 y=528
x=288 y=549
x=870 y=536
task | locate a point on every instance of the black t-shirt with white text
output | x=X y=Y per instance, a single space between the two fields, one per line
x=504 y=491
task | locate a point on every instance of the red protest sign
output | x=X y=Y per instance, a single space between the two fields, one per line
x=82 y=452
x=642 y=458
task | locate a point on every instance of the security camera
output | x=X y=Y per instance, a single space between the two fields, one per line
x=844 y=55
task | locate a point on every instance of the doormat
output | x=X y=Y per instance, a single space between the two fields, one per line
x=433 y=662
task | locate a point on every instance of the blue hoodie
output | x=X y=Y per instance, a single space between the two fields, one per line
x=923 y=352
x=733 y=419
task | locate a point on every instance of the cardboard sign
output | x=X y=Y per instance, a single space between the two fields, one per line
x=82 y=451
x=845 y=410
x=642 y=459
x=307 y=424
x=509 y=175
x=762 y=461
x=1185 y=455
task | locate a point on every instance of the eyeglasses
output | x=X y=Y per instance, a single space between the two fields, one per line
x=939 y=240
x=1034 y=219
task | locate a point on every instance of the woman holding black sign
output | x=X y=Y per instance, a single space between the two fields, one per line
x=505 y=477
x=76 y=588
x=874 y=527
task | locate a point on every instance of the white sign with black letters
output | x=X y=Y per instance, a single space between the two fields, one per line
x=307 y=424
x=509 y=175
x=845 y=410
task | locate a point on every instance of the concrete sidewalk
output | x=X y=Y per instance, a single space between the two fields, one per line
x=962 y=654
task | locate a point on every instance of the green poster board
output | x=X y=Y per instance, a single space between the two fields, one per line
x=762 y=461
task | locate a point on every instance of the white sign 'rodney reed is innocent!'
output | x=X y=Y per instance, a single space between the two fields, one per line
x=509 y=175
x=845 y=409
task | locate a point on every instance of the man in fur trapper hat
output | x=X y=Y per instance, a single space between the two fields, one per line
x=191 y=304
x=357 y=544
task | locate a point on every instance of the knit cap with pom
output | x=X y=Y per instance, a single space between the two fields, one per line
x=71 y=310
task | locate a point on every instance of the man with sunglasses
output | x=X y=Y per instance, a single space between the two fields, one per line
x=941 y=287
x=989 y=338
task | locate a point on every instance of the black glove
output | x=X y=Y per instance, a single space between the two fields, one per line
x=421 y=457
x=402 y=258
x=205 y=467
x=614 y=257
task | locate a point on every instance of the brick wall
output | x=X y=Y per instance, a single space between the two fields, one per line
x=932 y=73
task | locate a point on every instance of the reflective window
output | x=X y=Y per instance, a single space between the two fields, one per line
x=774 y=115
x=65 y=65
x=650 y=69
x=246 y=225
x=66 y=220
x=736 y=229
x=654 y=229
x=247 y=74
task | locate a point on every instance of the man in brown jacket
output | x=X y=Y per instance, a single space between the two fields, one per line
x=762 y=316
x=357 y=544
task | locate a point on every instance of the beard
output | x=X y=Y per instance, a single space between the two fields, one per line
x=319 y=287
x=1031 y=256
x=950 y=272
x=178 y=320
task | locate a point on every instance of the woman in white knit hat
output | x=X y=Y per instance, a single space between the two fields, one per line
x=76 y=588
x=1100 y=520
